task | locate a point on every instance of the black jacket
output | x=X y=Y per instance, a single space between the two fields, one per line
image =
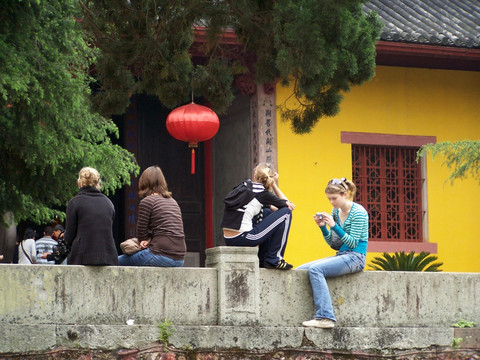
x=89 y=222
x=240 y=196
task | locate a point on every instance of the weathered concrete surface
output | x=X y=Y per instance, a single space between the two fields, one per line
x=234 y=305
x=270 y=338
x=48 y=294
x=374 y=299
x=238 y=285
x=44 y=337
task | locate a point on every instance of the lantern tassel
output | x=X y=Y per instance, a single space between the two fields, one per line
x=193 y=161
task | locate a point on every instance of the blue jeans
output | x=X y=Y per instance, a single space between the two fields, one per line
x=345 y=262
x=270 y=234
x=147 y=258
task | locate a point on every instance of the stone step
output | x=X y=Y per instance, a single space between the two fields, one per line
x=42 y=337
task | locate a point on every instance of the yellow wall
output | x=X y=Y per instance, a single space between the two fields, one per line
x=403 y=101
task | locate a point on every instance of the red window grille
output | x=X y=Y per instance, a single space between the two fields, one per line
x=389 y=185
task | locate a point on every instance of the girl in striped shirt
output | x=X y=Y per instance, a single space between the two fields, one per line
x=348 y=220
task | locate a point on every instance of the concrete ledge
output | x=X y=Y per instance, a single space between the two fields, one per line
x=374 y=298
x=234 y=304
x=61 y=294
x=112 y=337
x=270 y=338
x=14 y=338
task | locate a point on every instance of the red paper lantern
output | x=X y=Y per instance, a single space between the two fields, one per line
x=192 y=123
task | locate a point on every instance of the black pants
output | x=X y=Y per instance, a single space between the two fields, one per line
x=270 y=235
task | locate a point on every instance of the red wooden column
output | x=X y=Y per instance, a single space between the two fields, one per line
x=208 y=194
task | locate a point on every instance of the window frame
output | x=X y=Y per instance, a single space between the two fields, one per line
x=379 y=139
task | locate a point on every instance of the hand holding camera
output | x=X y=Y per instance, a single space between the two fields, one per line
x=322 y=219
x=319 y=218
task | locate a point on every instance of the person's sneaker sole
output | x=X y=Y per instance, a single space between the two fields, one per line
x=282 y=265
x=319 y=323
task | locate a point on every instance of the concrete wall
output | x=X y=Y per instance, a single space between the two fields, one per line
x=231 y=304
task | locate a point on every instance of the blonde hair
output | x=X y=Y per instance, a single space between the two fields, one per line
x=341 y=186
x=89 y=176
x=153 y=181
x=264 y=173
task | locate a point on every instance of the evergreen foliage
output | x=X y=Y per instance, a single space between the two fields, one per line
x=48 y=130
x=461 y=157
x=400 y=261
x=321 y=47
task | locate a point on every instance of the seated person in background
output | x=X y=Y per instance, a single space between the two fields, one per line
x=27 y=253
x=252 y=200
x=89 y=223
x=159 y=225
x=45 y=245
x=60 y=251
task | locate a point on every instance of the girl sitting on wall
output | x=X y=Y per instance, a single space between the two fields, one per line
x=257 y=213
x=348 y=220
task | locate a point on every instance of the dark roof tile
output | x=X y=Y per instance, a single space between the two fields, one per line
x=430 y=22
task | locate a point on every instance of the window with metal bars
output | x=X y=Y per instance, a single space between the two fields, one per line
x=389 y=185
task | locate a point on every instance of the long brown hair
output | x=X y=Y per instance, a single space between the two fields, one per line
x=152 y=181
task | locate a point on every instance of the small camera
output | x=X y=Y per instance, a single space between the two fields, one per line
x=62 y=249
x=319 y=215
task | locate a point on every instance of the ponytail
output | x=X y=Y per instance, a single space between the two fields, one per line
x=264 y=173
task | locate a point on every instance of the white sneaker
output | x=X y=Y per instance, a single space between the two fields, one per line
x=319 y=323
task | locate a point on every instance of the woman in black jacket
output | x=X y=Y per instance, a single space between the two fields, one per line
x=257 y=213
x=89 y=223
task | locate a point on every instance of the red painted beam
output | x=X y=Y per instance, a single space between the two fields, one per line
x=227 y=37
x=427 y=56
x=388 y=53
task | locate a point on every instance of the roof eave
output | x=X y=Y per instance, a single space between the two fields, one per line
x=388 y=53
x=427 y=56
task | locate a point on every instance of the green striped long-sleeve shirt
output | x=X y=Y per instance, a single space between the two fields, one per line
x=353 y=232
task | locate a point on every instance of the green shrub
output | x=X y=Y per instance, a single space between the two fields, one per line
x=400 y=261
